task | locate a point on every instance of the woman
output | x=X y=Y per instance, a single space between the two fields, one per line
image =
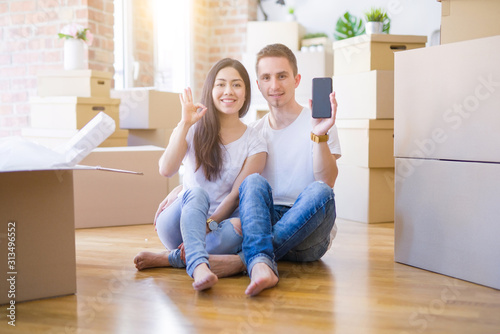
x=218 y=151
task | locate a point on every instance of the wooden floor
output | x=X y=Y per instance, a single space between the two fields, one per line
x=356 y=288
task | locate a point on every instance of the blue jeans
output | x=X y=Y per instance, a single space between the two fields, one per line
x=297 y=233
x=185 y=221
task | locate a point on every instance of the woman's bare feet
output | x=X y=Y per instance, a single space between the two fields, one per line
x=262 y=277
x=204 y=278
x=145 y=260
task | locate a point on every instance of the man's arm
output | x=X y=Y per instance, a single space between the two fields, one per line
x=324 y=162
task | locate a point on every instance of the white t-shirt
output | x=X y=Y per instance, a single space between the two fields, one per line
x=289 y=166
x=234 y=155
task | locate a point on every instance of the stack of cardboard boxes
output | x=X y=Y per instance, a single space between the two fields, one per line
x=364 y=86
x=149 y=116
x=447 y=121
x=66 y=101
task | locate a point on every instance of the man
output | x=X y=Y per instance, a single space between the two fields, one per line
x=288 y=213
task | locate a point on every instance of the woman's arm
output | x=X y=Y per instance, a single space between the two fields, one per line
x=253 y=164
x=171 y=197
x=171 y=158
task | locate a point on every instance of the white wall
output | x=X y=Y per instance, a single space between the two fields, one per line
x=408 y=17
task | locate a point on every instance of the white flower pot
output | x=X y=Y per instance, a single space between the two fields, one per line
x=73 y=54
x=374 y=27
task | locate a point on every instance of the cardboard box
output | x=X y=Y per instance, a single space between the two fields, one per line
x=70 y=112
x=113 y=199
x=81 y=83
x=367 y=143
x=365 y=194
x=447 y=101
x=156 y=137
x=371 y=52
x=40 y=204
x=463 y=20
x=446 y=218
x=365 y=95
x=311 y=65
x=147 y=108
x=37 y=206
x=262 y=33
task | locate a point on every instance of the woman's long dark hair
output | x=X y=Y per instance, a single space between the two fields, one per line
x=207 y=141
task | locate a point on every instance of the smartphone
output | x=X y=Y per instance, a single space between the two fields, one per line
x=321 y=89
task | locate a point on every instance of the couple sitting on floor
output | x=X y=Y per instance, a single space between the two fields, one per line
x=251 y=195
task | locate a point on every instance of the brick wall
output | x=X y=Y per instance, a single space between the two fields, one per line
x=29 y=43
x=219 y=31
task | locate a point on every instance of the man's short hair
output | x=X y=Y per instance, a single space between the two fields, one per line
x=277 y=50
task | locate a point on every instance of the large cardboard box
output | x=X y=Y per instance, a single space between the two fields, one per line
x=262 y=33
x=365 y=194
x=36 y=207
x=147 y=108
x=113 y=199
x=447 y=218
x=37 y=211
x=367 y=143
x=81 y=83
x=468 y=19
x=447 y=101
x=365 y=95
x=371 y=52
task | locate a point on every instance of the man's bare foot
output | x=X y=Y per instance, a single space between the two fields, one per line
x=145 y=260
x=226 y=265
x=262 y=277
x=203 y=277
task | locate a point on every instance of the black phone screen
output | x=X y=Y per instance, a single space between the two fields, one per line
x=321 y=89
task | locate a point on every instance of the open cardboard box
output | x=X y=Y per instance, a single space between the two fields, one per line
x=37 y=218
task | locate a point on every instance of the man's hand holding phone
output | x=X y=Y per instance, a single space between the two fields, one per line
x=323 y=106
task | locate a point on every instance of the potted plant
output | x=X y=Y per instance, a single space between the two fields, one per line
x=291 y=14
x=377 y=21
x=74 y=36
x=348 y=26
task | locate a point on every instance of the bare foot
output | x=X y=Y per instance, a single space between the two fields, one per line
x=203 y=277
x=145 y=260
x=262 y=277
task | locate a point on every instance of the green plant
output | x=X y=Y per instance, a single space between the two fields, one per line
x=291 y=10
x=314 y=35
x=379 y=15
x=348 y=26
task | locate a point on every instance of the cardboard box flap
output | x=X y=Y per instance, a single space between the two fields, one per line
x=20 y=154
